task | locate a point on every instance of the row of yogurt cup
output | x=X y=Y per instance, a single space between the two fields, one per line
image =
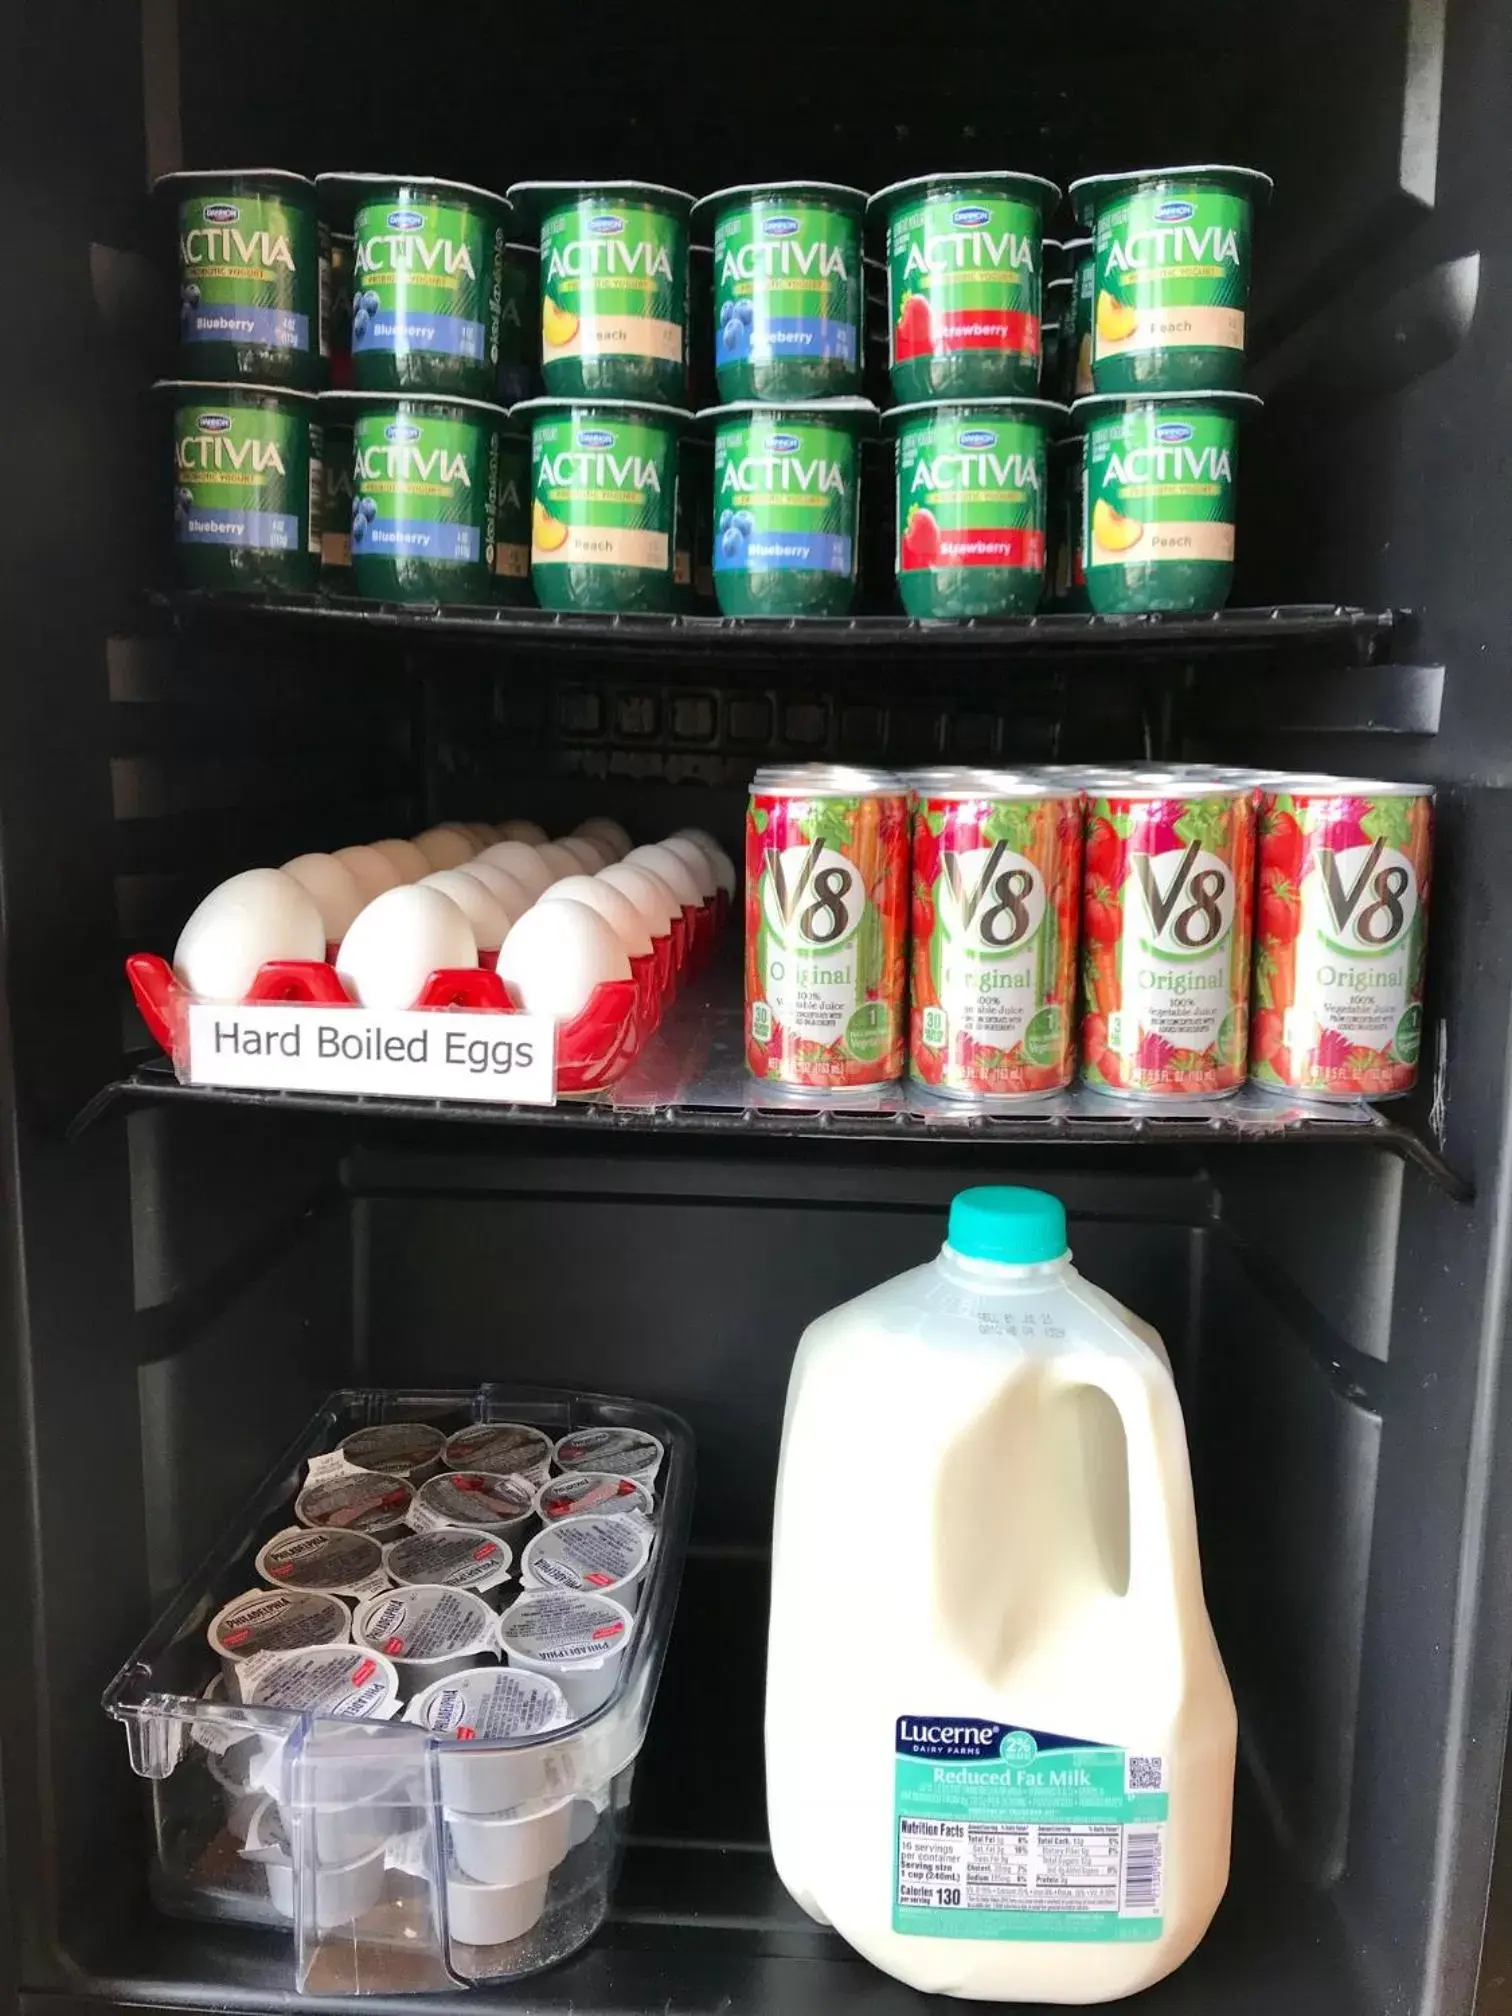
x=442 y=279
x=429 y=1651
x=599 y=505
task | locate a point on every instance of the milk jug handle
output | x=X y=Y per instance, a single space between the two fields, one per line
x=1162 y=1522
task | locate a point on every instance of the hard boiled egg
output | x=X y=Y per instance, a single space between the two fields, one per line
x=259 y=915
x=405 y=858
x=481 y=833
x=560 y=860
x=673 y=870
x=512 y=897
x=489 y=919
x=719 y=861
x=374 y=872
x=523 y=829
x=592 y=854
x=446 y=846
x=609 y=831
x=335 y=888
x=398 y=941
x=696 y=862
x=647 y=891
x=556 y=955
x=522 y=861
x=616 y=909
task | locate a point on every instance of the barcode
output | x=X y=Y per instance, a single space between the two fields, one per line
x=1141 y=1870
x=1145 y=1774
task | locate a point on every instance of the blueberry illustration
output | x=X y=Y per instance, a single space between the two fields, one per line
x=357 y=517
x=726 y=520
x=729 y=336
x=359 y=531
x=369 y=509
x=360 y=321
x=745 y=523
x=726 y=313
x=371 y=302
x=731 y=544
x=745 y=312
x=185 y=497
x=191 y=295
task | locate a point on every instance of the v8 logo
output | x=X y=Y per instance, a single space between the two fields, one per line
x=1371 y=894
x=990 y=898
x=1188 y=898
x=812 y=898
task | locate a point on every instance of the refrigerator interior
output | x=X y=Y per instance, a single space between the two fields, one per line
x=186 y=1278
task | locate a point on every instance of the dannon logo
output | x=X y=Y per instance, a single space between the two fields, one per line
x=606 y=227
x=406 y=220
x=221 y=213
x=970 y=213
x=977 y=437
x=779 y=227
x=1174 y=212
x=783 y=444
x=401 y=430
x=595 y=437
x=214 y=423
x=1173 y=430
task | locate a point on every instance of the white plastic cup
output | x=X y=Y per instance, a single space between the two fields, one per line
x=232 y=1771
x=576 y=1493
x=341 y=1893
x=348 y=1833
x=470 y=1713
x=428 y=1630
x=623 y=1452
x=454 y=1556
x=273 y=1620
x=483 y=1501
x=602 y=1553
x=483 y=1914
x=502 y=1448
x=341 y=1681
x=579 y=1641
x=362 y=1501
x=325 y=1559
x=407 y=1449
x=507 y=1849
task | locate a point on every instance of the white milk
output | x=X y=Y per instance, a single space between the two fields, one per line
x=999 y=1738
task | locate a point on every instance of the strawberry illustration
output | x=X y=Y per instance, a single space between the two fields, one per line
x=921 y=538
x=914 y=336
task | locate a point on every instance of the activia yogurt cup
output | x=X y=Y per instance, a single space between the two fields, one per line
x=614 y=288
x=273 y=1620
x=1076 y=373
x=248 y=485
x=972 y=489
x=787 y=487
x=429 y=1630
x=450 y=1555
x=512 y=523
x=362 y=1501
x=1171 y=275
x=427 y=283
x=504 y=1448
x=604 y=497
x=576 y=1639
x=320 y=1558
x=519 y=325
x=788 y=289
x=409 y=1449
x=1160 y=499
x=425 y=475
x=622 y=1452
x=964 y=279
x=470 y=1712
x=251 y=247
x=602 y=1553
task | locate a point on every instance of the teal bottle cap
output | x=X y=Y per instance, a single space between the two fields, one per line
x=1012 y=1226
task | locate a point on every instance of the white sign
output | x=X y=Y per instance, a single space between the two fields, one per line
x=409 y=1054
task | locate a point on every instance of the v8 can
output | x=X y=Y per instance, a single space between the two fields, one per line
x=1341 y=937
x=826 y=916
x=1168 y=892
x=996 y=902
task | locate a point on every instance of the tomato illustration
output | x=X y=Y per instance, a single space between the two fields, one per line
x=1281 y=845
x=1280 y=912
x=1104 y=852
x=1265 y=1034
x=1102 y=918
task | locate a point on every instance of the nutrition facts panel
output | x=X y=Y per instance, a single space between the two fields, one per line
x=970 y=1866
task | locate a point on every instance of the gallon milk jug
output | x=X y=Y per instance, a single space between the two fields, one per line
x=999 y=1738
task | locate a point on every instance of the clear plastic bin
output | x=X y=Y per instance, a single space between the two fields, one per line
x=337 y=1829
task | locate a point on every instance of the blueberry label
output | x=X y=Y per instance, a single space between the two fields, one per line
x=427 y=279
x=971 y=496
x=785 y=496
x=614 y=283
x=787 y=284
x=432 y=497
x=964 y=277
x=249 y=273
x=598 y=505
x=1170 y=272
x=242 y=477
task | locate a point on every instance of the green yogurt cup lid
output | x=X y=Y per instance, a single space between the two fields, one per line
x=848 y=408
x=1084 y=192
x=588 y=403
x=1240 y=404
x=368 y=178
x=229 y=387
x=1052 y=409
x=841 y=193
x=1083 y=244
x=1011 y=180
x=410 y=399
x=231 y=175
x=531 y=198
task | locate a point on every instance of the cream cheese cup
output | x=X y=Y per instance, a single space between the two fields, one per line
x=482 y=1500
x=428 y=1631
x=506 y=1849
x=323 y=1559
x=361 y=1501
x=341 y=1893
x=455 y=1556
x=495 y=1704
x=602 y=1554
x=342 y=1681
x=579 y=1640
x=623 y=1452
x=485 y=1914
x=273 y=1620
x=502 y=1448
x=407 y=1449
x=578 y=1492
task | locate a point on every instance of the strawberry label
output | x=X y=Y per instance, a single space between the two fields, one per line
x=963 y=280
x=1166 y=942
x=826 y=896
x=996 y=889
x=1342 y=936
